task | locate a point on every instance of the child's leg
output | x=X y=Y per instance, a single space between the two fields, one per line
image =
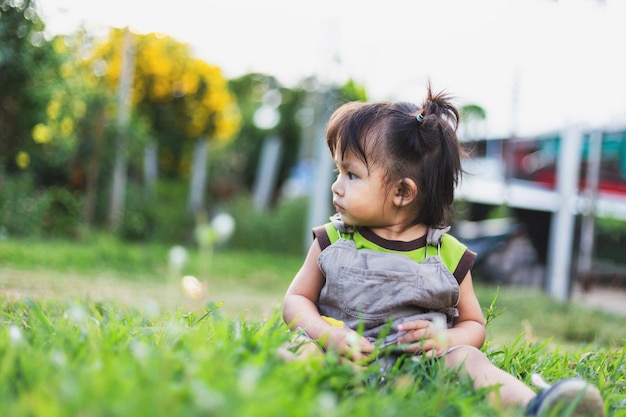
x=511 y=390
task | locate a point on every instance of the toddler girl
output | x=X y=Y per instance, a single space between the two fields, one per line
x=384 y=273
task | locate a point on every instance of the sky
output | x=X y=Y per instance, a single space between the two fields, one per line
x=535 y=66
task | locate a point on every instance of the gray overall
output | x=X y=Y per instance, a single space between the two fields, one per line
x=373 y=292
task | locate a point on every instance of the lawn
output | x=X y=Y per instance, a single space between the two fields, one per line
x=103 y=329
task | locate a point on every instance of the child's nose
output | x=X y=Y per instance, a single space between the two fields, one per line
x=336 y=188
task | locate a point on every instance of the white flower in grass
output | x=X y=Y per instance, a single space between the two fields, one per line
x=15 y=334
x=59 y=358
x=205 y=397
x=327 y=403
x=248 y=378
x=140 y=350
x=237 y=330
x=77 y=314
x=151 y=308
x=177 y=258
x=97 y=366
x=224 y=225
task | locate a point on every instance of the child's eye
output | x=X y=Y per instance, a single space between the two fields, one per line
x=350 y=175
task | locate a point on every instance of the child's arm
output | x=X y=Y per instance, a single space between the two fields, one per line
x=300 y=311
x=468 y=328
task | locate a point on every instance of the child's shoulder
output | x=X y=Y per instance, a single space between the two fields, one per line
x=450 y=240
x=451 y=244
x=332 y=231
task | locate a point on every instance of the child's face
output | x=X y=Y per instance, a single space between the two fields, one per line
x=359 y=196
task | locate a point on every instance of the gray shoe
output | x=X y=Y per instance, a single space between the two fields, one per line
x=572 y=397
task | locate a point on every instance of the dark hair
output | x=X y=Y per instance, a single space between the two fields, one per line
x=390 y=135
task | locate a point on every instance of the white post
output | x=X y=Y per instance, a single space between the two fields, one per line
x=150 y=167
x=587 y=229
x=563 y=220
x=118 y=190
x=267 y=172
x=198 y=175
x=320 y=199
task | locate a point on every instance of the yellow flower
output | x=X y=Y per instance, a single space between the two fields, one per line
x=53 y=110
x=190 y=83
x=227 y=123
x=41 y=133
x=80 y=108
x=22 y=159
x=166 y=73
x=59 y=45
x=66 y=70
x=161 y=89
x=67 y=126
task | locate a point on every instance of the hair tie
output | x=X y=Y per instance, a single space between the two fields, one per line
x=419 y=117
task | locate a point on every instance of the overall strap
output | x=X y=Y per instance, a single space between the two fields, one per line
x=323 y=239
x=434 y=237
x=332 y=231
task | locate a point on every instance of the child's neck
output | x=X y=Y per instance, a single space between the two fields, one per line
x=403 y=233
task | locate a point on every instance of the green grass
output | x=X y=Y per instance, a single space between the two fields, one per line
x=101 y=359
x=64 y=356
x=533 y=313
x=96 y=253
x=145 y=262
x=519 y=310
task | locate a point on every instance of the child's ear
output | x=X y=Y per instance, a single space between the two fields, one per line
x=405 y=192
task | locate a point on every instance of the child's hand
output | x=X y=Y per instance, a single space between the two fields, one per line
x=424 y=336
x=348 y=343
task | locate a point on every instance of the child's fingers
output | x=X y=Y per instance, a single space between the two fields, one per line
x=414 y=325
x=415 y=331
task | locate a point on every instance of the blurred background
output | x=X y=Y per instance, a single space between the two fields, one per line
x=200 y=123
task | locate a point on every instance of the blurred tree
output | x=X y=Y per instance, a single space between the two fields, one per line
x=473 y=119
x=235 y=165
x=185 y=101
x=27 y=62
x=352 y=91
x=176 y=101
x=181 y=97
x=69 y=139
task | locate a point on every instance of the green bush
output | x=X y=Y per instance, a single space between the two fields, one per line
x=63 y=213
x=162 y=217
x=138 y=222
x=37 y=212
x=279 y=230
x=173 y=224
x=610 y=238
x=21 y=208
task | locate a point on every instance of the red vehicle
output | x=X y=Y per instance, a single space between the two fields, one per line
x=535 y=160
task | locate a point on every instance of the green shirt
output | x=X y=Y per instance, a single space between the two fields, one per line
x=454 y=255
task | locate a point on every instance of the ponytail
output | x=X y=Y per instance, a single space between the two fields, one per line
x=441 y=158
